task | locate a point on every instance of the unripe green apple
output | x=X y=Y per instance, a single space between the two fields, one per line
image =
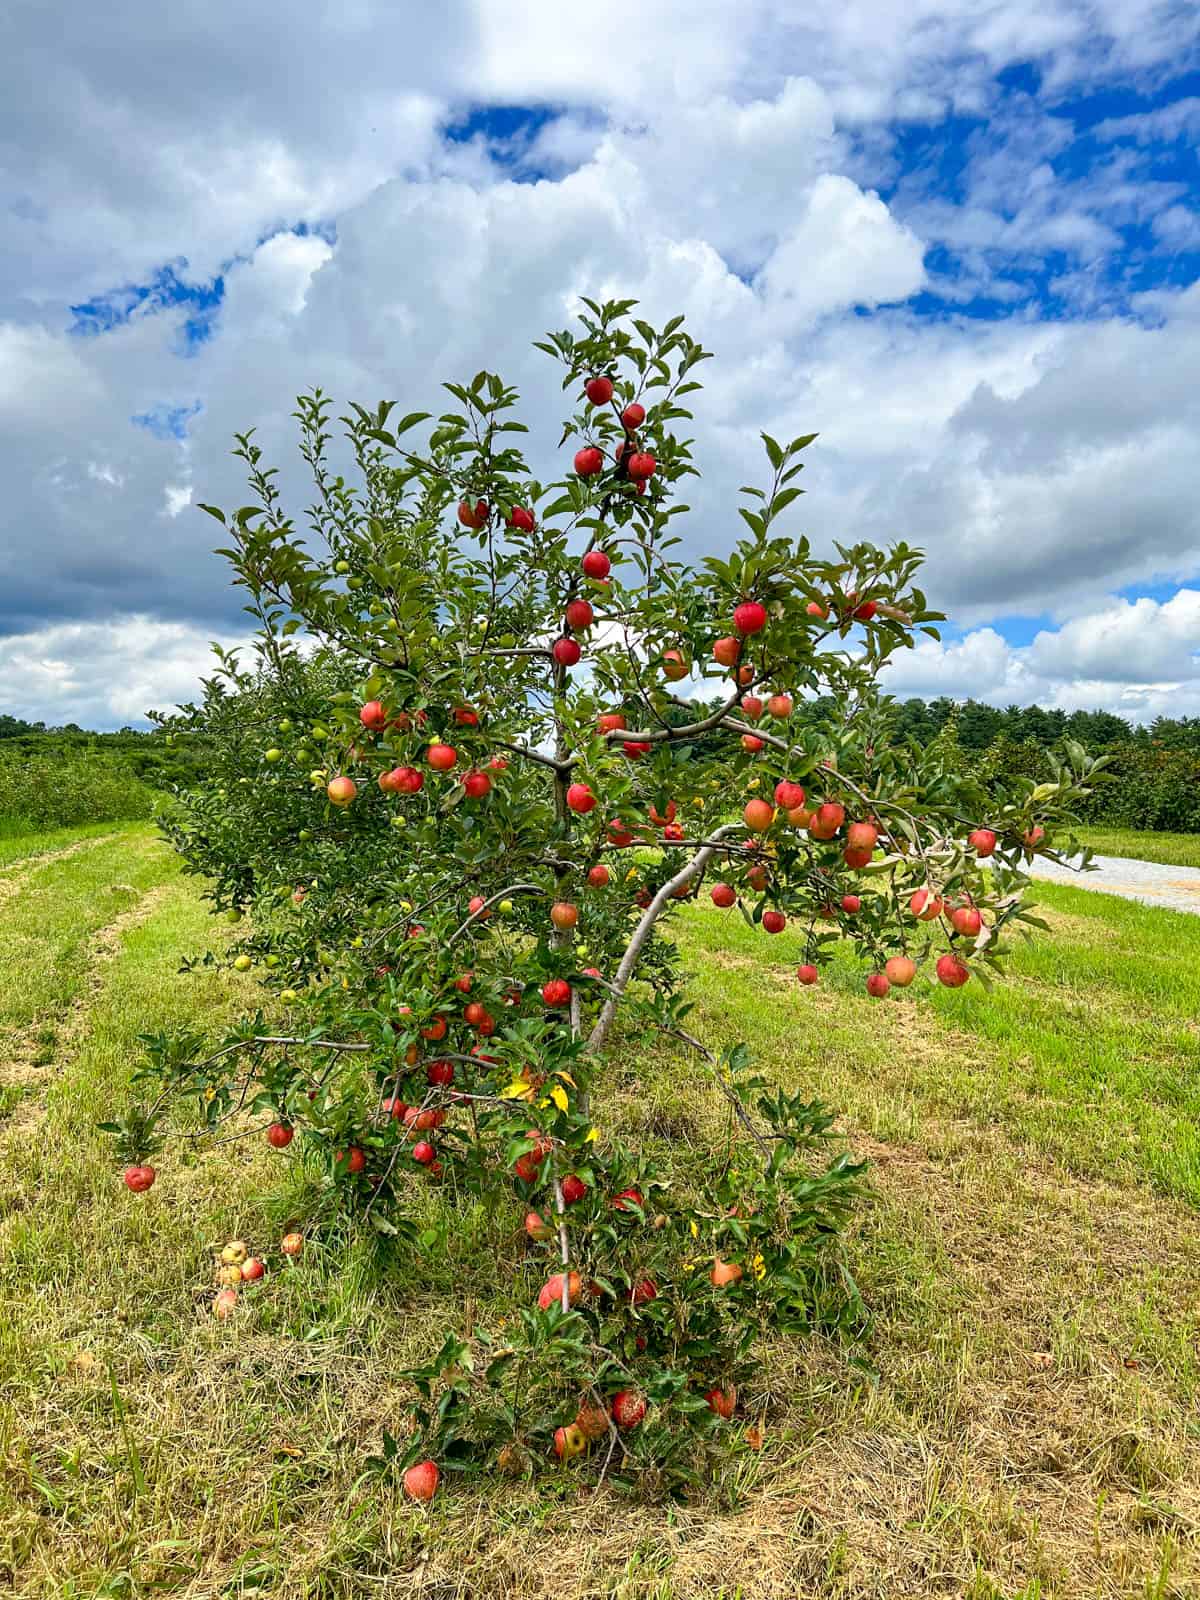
x=504 y=907
x=233 y=915
x=399 y=821
x=243 y=963
x=354 y=583
x=286 y=725
x=272 y=961
x=274 y=755
x=342 y=567
x=289 y=997
x=304 y=835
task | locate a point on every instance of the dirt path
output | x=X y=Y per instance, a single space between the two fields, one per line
x=1176 y=888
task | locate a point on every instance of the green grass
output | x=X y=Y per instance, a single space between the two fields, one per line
x=18 y=845
x=1021 y=1421
x=1172 y=849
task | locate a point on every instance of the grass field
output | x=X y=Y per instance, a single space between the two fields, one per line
x=1022 y=1421
x=1172 y=849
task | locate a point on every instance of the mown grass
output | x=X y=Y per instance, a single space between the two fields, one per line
x=1020 y=1420
x=19 y=844
x=1171 y=849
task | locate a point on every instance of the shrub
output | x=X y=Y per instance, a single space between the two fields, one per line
x=58 y=791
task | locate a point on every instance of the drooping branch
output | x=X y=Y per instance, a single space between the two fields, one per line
x=641 y=933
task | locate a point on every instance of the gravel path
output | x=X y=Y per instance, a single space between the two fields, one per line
x=1177 y=888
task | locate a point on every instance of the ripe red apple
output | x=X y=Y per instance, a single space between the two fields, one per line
x=865 y=611
x=409 y=780
x=596 y=563
x=750 y=617
x=789 y=795
x=473 y=516
x=723 y=895
x=292 y=1243
x=982 y=841
x=610 y=721
x=633 y=416
x=856 y=859
x=807 y=974
x=354 y=1159
x=423 y=1153
x=520 y=518
x=722 y=1401
x=724 y=1273
x=816 y=609
x=675 y=665
x=628 y=1408
x=1033 y=838
x=537 y=1227
x=900 y=971
x=389 y=781
x=851 y=904
x=252 y=1269
x=726 y=651
x=773 y=922
x=373 y=716
x=440 y=1073
x=139 y=1178
x=925 y=905
x=752 y=744
x=395 y=1107
x=661 y=818
x=573 y=1189
x=580 y=799
x=627 y=1199
x=780 y=705
x=827 y=820
x=563 y=914
x=280 y=1135
x=752 y=708
x=588 y=461
x=599 y=390
x=745 y=675
x=569 y=1442
x=556 y=992
x=951 y=971
x=643 y=1290
x=758 y=877
x=566 y=652
x=598 y=875
x=619 y=834
x=476 y=785
x=862 y=836
x=435 y=1029
x=800 y=816
x=877 y=986
x=225 y=1303
x=758 y=815
x=441 y=757
x=341 y=791
x=421 y=1481
x=966 y=920
x=592 y=1421
x=551 y=1292
x=474 y=1012
x=579 y=614
x=641 y=465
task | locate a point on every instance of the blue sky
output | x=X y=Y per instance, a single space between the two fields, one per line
x=963 y=246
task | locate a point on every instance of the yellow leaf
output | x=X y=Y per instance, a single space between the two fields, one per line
x=559 y=1095
x=592 y=1136
x=566 y=1078
x=518 y=1089
x=695 y=1230
x=759 y=1266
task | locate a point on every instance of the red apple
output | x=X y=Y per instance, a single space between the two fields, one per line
x=851 y=904
x=476 y=785
x=581 y=799
x=441 y=757
x=421 y=1481
x=473 y=516
x=566 y=652
x=280 y=1135
x=596 y=563
x=862 y=836
x=610 y=722
x=588 y=461
x=644 y=1289
x=865 y=611
x=373 y=716
x=774 y=922
x=780 y=705
x=727 y=650
x=556 y=992
x=723 y=895
x=573 y=1189
x=341 y=791
x=408 y=780
x=900 y=971
x=225 y=1303
x=750 y=617
x=1033 y=838
x=789 y=795
x=877 y=986
x=925 y=905
x=551 y=1291
x=856 y=859
x=816 y=609
x=423 y=1153
x=966 y=920
x=951 y=971
x=724 y=1273
x=675 y=665
x=758 y=815
x=520 y=518
x=807 y=974
x=563 y=914
x=982 y=841
x=435 y=1029
x=752 y=707
x=139 y=1178
x=599 y=390
x=440 y=1073
x=633 y=416
x=354 y=1159
x=627 y=1199
x=579 y=614
x=751 y=744
x=292 y=1243
x=598 y=876
x=722 y=1401
x=569 y=1442
x=252 y=1269
x=466 y=716
x=537 y=1227
x=827 y=819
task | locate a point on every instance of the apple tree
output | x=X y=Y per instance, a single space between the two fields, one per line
x=494 y=734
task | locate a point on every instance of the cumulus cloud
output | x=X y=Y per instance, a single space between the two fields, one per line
x=736 y=163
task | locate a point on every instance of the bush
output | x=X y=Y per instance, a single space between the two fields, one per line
x=60 y=791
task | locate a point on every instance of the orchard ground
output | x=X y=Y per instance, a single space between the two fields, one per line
x=1020 y=1421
